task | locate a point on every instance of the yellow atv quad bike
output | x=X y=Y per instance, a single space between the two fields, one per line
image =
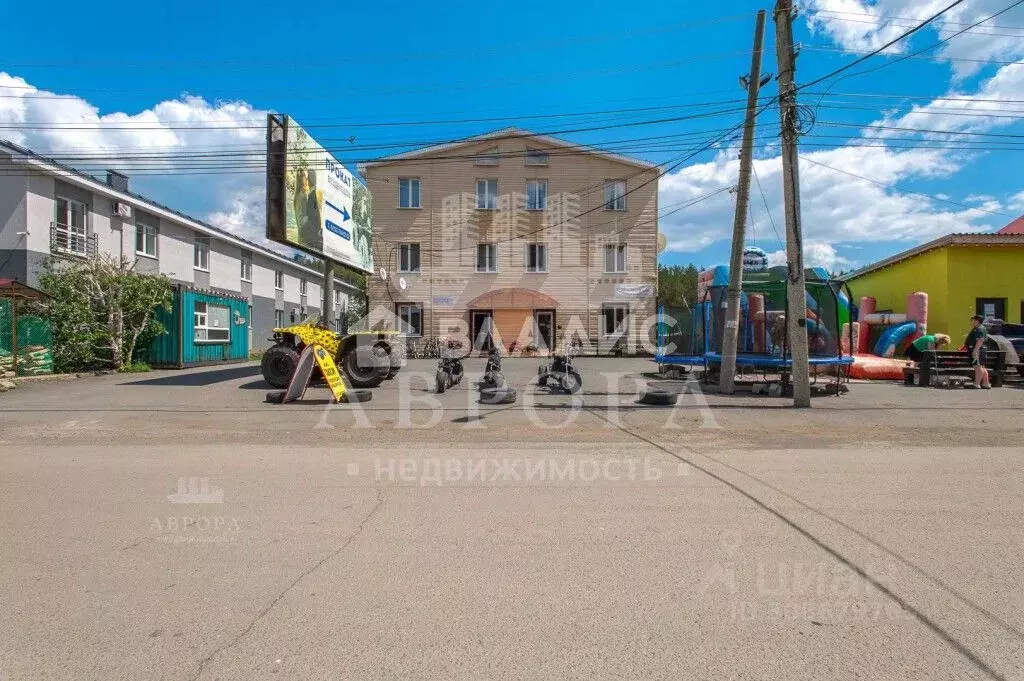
x=366 y=358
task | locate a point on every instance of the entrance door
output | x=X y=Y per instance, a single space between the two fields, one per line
x=483 y=324
x=544 y=329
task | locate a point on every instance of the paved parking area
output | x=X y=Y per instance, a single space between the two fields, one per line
x=172 y=525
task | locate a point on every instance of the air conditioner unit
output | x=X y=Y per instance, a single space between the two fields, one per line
x=122 y=210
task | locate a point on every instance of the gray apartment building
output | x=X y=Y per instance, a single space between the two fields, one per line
x=48 y=209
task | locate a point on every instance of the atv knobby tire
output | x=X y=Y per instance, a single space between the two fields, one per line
x=362 y=367
x=278 y=365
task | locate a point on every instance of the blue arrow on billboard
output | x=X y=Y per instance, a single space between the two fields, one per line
x=344 y=212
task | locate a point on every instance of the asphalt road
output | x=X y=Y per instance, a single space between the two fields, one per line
x=172 y=526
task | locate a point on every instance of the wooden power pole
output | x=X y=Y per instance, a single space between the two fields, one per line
x=727 y=379
x=796 y=308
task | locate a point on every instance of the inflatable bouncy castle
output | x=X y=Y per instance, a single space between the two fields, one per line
x=892 y=331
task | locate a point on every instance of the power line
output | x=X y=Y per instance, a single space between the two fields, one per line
x=888 y=186
x=894 y=18
x=933 y=45
x=884 y=47
x=767 y=210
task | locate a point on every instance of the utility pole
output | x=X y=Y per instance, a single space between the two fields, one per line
x=796 y=308
x=727 y=377
x=327 y=307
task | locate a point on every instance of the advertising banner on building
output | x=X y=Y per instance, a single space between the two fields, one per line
x=314 y=203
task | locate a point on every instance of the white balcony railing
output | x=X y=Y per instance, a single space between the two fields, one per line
x=70 y=240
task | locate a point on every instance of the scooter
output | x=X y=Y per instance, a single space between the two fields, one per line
x=561 y=372
x=449 y=367
x=493 y=378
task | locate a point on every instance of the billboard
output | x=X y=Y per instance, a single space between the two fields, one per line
x=313 y=203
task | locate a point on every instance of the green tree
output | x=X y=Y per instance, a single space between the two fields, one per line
x=677 y=285
x=99 y=309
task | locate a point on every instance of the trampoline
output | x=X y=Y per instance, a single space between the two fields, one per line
x=694 y=337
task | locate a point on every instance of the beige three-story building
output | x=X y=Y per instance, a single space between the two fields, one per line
x=518 y=239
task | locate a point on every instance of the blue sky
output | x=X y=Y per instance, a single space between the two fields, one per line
x=341 y=65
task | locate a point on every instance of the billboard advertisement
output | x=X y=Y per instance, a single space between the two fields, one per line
x=314 y=203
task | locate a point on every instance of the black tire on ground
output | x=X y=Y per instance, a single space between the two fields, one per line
x=441 y=379
x=542 y=375
x=362 y=368
x=392 y=372
x=357 y=396
x=278 y=365
x=497 y=396
x=275 y=396
x=571 y=382
x=659 y=397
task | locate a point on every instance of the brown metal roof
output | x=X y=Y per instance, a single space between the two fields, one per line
x=12 y=288
x=980 y=239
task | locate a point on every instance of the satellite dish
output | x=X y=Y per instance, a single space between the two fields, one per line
x=402 y=283
x=383 y=273
x=662 y=242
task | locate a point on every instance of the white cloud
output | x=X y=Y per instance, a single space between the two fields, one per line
x=860 y=26
x=1016 y=202
x=71 y=129
x=839 y=208
x=816 y=254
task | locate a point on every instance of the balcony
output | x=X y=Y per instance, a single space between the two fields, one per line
x=67 y=240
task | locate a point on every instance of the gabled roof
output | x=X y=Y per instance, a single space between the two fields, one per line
x=505 y=133
x=30 y=158
x=1015 y=227
x=982 y=239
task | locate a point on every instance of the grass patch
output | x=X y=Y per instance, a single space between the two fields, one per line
x=136 y=368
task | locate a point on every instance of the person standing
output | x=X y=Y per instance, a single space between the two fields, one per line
x=975 y=344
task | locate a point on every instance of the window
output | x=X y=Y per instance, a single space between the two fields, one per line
x=615 y=258
x=201 y=259
x=145 y=238
x=536 y=194
x=409 y=258
x=488 y=157
x=278 y=319
x=991 y=308
x=614 y=316
x=411 y=316
x=303 y=285
x=536 y=157
x=615 y=194
x=212 y=322
x=69 y=232
x=408 y=192
x=536 y=257
x=279 y=280
x=246 y=260
x=487 y=194
x=486 y=258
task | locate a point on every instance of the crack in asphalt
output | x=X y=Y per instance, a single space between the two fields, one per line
x=277 y=599
x=920 y=616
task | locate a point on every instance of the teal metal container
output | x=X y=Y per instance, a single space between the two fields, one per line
x=202 y=327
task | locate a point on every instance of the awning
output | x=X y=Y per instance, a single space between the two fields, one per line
x=512 y=298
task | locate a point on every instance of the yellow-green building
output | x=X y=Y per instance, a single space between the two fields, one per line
x=963 y=275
